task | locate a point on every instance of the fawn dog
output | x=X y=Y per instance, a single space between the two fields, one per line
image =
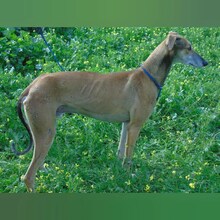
x=126 y=97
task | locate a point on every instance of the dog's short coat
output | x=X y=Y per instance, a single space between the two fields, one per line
x=126 y=97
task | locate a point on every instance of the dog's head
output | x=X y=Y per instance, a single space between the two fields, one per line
x=183 y=51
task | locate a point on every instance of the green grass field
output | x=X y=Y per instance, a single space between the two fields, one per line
x=178 y=148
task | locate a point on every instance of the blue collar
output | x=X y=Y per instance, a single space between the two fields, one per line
x=159 y=87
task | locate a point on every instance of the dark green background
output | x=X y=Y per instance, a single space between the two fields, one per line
x=110 y=206
x=109 y=13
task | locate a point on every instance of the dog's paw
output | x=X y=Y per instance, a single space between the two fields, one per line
x=127 y=163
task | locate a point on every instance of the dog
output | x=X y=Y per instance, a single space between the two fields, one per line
x=126 y=97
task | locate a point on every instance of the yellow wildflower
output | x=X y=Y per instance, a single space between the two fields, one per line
x=147 y=188
x=187 y=177
x=174 y=172
x=128 y=182
x=192 y=185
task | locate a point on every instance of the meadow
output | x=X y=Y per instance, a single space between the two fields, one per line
x=178 y=149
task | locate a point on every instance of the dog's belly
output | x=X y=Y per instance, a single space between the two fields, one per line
x=103 y=116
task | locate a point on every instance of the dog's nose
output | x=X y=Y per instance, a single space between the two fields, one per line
x=205 y=63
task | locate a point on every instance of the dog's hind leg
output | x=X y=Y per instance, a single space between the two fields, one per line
x=42 y=123
x=121 y=147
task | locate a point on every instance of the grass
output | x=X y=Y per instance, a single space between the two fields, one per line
x=178 y=148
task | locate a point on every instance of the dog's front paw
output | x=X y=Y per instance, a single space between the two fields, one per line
x=127 y=163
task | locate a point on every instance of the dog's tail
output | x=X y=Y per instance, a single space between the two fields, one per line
x=21 y=116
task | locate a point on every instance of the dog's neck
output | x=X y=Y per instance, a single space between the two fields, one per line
x=158 y=64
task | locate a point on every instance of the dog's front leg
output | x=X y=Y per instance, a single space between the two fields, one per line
x=121 y=146
x=133 y=131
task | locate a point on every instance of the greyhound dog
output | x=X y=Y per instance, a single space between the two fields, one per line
x=126 y=97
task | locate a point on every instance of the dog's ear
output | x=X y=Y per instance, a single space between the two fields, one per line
x=171 y=39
